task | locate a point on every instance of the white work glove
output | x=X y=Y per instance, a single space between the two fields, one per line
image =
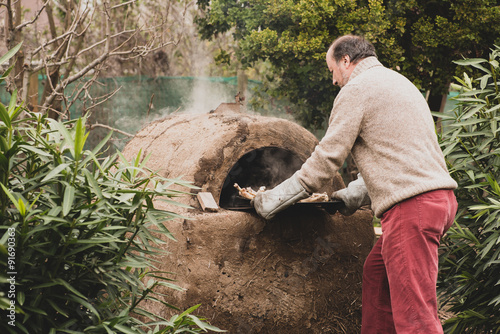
x=354 y=196
x=269 y=203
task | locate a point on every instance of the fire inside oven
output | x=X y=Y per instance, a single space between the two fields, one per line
x=266 y=166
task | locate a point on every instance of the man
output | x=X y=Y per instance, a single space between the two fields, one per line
x=382 y=119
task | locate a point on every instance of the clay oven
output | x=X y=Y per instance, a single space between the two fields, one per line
x=298 y=273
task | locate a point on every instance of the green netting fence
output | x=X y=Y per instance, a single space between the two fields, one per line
x=140 y=100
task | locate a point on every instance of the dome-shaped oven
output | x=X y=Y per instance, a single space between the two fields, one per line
x=299 y=273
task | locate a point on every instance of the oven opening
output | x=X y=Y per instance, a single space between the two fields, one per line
x=266 y=166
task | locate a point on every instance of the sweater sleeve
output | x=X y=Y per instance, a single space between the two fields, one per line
x=344 y=127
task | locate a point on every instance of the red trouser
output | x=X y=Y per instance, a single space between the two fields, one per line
x=400 y=273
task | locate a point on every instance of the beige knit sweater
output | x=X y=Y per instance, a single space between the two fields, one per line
x=383 y=119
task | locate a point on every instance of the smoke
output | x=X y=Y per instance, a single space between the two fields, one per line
x=207 y=95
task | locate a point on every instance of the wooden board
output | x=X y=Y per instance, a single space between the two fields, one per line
x=207 y=201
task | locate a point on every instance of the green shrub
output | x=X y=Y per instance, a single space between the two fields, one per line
x=470 y=276
x=78 y=234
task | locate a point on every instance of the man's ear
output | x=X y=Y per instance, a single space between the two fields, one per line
x=346 y=60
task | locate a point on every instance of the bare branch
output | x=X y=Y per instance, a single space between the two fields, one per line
x=104 y=98
x=55 y=111
x=104 y=40
x=47 y=73
x=42 y=66
x=54 y=40
x=83 y=88
x=92 y=34
x=81 y=73
x=52 y=25
x=150 y=104
x=26 y=75
x=123 y=4
x=95 y=125
x=134 y=50
x=89 y=48
x=19 y=27
x=71 y=31
x=9 y=23
x=108 y=27
x=60 y=7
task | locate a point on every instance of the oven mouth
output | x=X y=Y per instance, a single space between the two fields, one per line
x=265 y=166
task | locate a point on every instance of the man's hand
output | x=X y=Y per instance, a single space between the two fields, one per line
x=270 y=202
x=354 y=196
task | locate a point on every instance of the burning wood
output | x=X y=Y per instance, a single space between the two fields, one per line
x=316 y=197
x=249 y=193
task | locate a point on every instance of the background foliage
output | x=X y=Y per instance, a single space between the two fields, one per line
x=83 y=233
x=417 y=38
x=470 y=277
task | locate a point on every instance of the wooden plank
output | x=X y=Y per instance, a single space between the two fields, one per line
x=207 y=201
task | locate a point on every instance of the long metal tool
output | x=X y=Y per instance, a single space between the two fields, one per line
x=330 y=206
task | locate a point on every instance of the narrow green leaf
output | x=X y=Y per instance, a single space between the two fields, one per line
x=11 y=197
x=85 y=303
x=97 y=149
x=69 y=197
x=10 y=53
x=4 y=116
x=470 y=61
x=482 y=68
x=474 y=92
x=125 y=329
x=102 y=240
x=93 y=183
x=63 y=131
x=189 y=310
x=6 y=73
x=12 y=104
x=57 y=308
x=21 y=207
x=473 y=111
x=496 y=107
x=487 y=249
x=470 y=99
x=138 y=158
x=484 y=81
x=205 y=326
x=35 y=150
x=449 y=148
x=494 y=184
x=442 y=115
x=55 y=172
x=80 y=138
x=21 y=297
x=70 y=288
x=495 y=301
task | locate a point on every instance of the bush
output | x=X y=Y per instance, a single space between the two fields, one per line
x=79 y=233
x=470 y=276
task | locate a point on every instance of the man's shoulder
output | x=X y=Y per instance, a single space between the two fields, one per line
x=379 y=77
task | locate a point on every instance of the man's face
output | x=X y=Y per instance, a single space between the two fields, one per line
x=340 y=72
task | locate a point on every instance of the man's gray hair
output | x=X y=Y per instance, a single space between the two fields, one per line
x=356 y=47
